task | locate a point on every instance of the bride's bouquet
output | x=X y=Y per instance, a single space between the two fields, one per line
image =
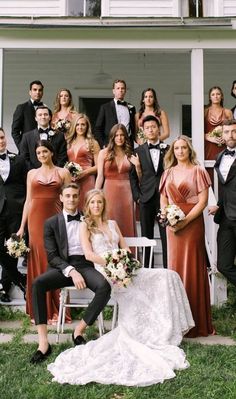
x=62 y=125
x=170 y=215
x=120 y=266
x=74 y=168
x=16 y=246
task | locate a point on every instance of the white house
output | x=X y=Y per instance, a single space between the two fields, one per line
x=181 y=48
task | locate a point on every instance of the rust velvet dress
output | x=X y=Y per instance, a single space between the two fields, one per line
x=210 y=123
x=45 y=203
x=120 y=206
x=186 y=248
x=85 y=158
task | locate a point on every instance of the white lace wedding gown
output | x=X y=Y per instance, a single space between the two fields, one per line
x=154 y=314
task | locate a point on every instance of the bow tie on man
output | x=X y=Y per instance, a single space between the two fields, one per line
x=37 y=103
x=73 y=217
x=229 y=152
x=3 y=156
x=44 y=130
x=154 y=146
x=119 y=102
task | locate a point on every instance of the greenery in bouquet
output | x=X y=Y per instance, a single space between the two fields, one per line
x=16 y=246
x=62 y=125
x=120 y=266
x=170 y=215
x=217 y=132
x=141 y=135
x=74 y=168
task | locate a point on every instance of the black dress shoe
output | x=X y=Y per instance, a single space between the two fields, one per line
x=79 y=340
x=5 y=298
x=39 y=357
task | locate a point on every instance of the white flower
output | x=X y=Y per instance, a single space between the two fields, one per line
x=11 y=156
x=163 y=146
x=51 y=133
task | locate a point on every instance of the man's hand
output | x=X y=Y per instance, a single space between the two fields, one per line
x=212 y=209
x=78 y=280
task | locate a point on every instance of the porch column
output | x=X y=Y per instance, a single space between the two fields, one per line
x=1 y=85
x=197 y=101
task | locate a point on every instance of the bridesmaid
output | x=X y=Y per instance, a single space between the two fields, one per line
x=185 y=183
x=42 y=201
x=149 y=105
x=64 y=109
x=233 y=94
x=83 y=149
x=114 y=164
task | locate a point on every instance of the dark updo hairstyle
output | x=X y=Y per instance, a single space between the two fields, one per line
x=48 y=145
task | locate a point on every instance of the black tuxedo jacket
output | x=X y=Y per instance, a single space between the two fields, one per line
x=28 y=144
x=233 y=109
x=23 y=121
x=13 y=189
x=148 y=186
x=107 y=118
x=227 y=192
x=56 y=242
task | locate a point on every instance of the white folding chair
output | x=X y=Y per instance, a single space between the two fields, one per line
x=139 y=244
x=71 y=297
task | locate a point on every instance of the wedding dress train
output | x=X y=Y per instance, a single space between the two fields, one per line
x=154 y=314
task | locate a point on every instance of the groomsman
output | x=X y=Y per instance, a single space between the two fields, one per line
x=113 y=112
x=67 y=267
x=145 y=187
x=24 y=115
x=225 y=211
x=43 y=131
x=12 y=197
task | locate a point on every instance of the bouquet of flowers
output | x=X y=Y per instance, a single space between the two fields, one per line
x=62 y=125
x=16 y=246
x=170 y=215
x=141 y=135
x=217 y=132
x=120 y=266
x=74 y=168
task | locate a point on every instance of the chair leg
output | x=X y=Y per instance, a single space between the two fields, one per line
x=101 y=324
x=60 y=316
x=114 y=317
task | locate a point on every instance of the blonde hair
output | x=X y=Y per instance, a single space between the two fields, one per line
x=170 y=159
x=89 y=138
x=88 y=218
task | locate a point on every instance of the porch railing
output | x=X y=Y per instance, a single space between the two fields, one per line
x=218 y=284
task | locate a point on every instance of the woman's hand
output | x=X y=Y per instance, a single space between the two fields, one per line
x=134 y=159
x=179 y=226
x=20 y=232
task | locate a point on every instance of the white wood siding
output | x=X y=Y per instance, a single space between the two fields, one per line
x=140 y=8
x=229 y=8
x=33 y=7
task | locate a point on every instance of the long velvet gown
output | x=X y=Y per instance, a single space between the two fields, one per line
x=186 y=248
x=45 y=203
x=210 y=123
x=85 y=158
x=120 y=206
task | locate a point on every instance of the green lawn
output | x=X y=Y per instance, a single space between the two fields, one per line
x=212 y=372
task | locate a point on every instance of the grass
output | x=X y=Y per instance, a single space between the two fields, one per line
x=212 y=372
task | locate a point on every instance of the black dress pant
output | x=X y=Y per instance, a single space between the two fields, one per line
x=226 y=244
x=148 y=216
x=9 y=224
x=54 y=279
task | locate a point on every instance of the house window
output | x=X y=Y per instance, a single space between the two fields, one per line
x=91 y=106
x=186 y=120
x=195 y=8
x=84 y=8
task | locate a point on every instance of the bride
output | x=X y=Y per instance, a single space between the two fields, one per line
x=154 y=314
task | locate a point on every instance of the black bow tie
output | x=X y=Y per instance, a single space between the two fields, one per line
x=3 y=156
x=43 y=130
x=151 y=146
x=228 y=152
x=122 y=103
x=37 y=103
x=73 y=217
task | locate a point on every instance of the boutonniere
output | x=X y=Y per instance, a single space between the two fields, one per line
x=163 y=146
x=51 y=133
x=11 y=156
x=130 y=106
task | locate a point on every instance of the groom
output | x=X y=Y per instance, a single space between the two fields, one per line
x=67 y=267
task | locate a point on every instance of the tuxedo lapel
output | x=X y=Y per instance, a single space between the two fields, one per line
x=63 y=235
x=217 y=167
x=148 y=156
x=113 y=111
x=232 y=172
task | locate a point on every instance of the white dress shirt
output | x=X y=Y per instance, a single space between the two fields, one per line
x=226 y=163
x=4 y=166
x=74 y=246
x=155 y=155
x=122 y=113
